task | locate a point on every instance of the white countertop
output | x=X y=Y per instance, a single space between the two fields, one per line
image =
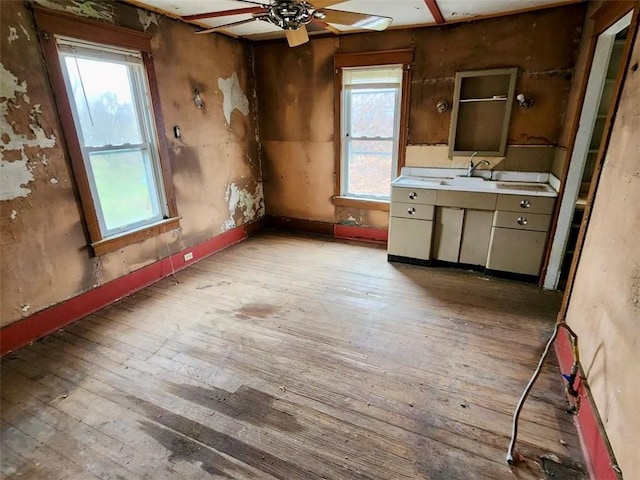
x=510 y=183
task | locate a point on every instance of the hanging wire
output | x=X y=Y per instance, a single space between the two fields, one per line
x=570 y=386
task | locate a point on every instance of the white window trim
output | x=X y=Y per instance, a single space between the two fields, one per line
x=346 y=138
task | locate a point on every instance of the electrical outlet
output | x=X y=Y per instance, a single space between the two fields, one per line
x=188 y=256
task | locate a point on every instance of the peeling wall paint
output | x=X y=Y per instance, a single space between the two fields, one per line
x=43 y=243
x=17 y=174
x=239 y=199
x=88 y=9
x=13 y=35
x=25 y=32
x=234 y=97
x=147 y=18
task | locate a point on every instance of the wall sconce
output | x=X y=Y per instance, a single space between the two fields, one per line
x=442 y=106
x=197 y=100
x=523 y=101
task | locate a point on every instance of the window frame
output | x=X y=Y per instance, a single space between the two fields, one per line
x=402 y=57
x=51 y=24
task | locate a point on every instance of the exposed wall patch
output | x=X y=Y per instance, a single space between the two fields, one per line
x=240 y=199
x=147 y=18
x=234 y=97
x=13 y=35
x=13 y=178
x=17 y=174
x=88 y=9
x=26 y=33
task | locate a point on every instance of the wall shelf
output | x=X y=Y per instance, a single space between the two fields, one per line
x=482 y=103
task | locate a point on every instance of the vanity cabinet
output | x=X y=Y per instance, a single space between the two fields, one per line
x=463 y=226
x=501 y=232
x=519 y=234
x=476 y=236
x=411 y=223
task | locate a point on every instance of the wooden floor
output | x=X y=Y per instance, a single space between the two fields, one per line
x=294 y=358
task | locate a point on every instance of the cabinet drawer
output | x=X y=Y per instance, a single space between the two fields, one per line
x=413 y=195
x=516 y=251
x=412 y=210
x=475 y=200
x=523 y=203
x=410 y=238
x=522 y=221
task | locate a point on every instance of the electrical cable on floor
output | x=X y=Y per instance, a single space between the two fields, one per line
x=570 y=382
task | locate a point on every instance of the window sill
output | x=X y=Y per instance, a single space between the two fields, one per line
x=364 y=203
x=114 y=243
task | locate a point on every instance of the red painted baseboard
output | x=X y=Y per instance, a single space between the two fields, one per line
x=360 y=233
x=595 y=446
x=44 y=322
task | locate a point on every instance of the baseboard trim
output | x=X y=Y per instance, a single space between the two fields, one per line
x=598 y=455
x=336 y=230
x=26 y=330
x=363 y=234
x=300 y=225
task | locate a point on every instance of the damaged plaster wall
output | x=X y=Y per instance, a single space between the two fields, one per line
x=15 y=175
x=44 y=254
x=297 y=100
x=604 y=307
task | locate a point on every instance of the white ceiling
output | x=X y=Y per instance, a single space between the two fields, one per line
x=404 y=12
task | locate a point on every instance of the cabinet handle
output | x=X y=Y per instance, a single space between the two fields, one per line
x=411 y=210
x=413 y=195
x=522 y=221
x=525 y=203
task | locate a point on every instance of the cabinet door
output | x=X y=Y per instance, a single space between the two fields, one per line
x=410 y=238
x=517 y=251
x=476 y=234
x=448 y=234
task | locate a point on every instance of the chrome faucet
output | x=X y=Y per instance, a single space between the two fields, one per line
x=472 y=168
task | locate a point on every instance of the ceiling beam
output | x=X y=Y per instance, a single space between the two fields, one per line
x=435 y=11
x=223 y=13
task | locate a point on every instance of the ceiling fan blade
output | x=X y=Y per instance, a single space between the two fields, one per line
x=297 y=37
x=359 y=20
x=223 y=13
x=322 y=25
x=228 y=25
x=255 y=3
x=320 y=4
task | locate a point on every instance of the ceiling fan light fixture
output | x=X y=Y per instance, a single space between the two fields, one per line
x=290 y=15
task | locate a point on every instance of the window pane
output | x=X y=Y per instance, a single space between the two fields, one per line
x=370 y=167
x=126 y=188
x=104 y=101
x=373 y=113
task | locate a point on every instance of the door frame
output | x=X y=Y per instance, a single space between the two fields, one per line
x=609 y=20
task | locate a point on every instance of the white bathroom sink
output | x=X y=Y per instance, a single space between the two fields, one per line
x=467 y=182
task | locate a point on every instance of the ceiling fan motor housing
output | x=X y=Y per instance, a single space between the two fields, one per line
x=290 y=15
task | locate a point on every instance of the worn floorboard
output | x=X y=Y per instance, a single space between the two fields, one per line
x=292 y=357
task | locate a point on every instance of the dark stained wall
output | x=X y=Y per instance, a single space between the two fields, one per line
x=295 y=91
x=216 y=165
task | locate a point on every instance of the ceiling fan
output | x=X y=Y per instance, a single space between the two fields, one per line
x=293 y=16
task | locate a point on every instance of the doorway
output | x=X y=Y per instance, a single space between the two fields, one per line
x=598 y=100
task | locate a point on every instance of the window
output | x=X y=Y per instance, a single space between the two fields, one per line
x=111 y=112
x=370 y=126
x=102 y=77
x=371 y=119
